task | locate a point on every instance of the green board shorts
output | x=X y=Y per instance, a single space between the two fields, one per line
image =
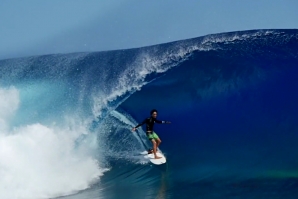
x=152 y=135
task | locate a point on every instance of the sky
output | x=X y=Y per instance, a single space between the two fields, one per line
x=38 y=27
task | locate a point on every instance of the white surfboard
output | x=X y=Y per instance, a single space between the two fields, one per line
x=159 y=161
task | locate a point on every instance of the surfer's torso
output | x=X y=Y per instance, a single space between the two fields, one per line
x=150 y=123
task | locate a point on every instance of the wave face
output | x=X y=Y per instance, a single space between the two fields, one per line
x=65 y=120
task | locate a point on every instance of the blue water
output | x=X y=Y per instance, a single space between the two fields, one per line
x=231 y=97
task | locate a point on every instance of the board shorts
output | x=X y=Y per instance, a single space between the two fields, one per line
x=152 y=135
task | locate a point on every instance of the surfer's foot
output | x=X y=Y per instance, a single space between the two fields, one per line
x=156 y=157
x=150 y=151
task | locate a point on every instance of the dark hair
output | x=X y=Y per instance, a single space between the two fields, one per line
x=152 y=111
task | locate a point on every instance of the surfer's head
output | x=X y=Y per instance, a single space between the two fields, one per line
x=153 y=113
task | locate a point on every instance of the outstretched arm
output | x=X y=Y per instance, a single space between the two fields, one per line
x=139 y=125
x=162 y=122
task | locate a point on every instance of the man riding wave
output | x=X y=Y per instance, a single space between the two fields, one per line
x=152 y=136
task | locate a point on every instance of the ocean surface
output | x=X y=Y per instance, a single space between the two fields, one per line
x=232 y=98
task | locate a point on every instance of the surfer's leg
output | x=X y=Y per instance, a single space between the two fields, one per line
x=158 y=141
x=154 y=149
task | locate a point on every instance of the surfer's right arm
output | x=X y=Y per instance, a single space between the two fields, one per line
x=135 y=128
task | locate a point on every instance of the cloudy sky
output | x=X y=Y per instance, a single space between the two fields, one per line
x=35 y=27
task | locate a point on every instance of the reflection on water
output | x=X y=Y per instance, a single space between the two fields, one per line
x=162 y=192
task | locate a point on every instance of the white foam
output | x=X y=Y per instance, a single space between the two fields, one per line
x=39 y=161
x=9 y=102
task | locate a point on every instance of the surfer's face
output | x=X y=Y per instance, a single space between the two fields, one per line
x=154 y=114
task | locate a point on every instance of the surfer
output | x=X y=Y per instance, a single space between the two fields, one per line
x=152 y=136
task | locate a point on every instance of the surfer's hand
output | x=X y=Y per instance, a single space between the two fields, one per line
x=133 y=129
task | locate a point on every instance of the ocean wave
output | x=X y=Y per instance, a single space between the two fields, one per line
x=66 y=119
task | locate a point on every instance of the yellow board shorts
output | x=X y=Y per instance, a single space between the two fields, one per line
x=152 y=135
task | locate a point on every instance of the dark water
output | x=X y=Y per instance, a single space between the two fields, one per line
x=232 y=100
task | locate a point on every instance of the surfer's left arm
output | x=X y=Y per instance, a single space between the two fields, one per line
x=162 y=122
